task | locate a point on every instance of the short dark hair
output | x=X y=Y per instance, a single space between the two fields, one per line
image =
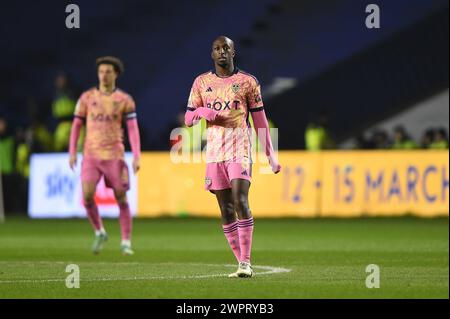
x=115 y=62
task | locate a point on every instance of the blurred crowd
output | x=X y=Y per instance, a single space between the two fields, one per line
x=37 y=134
x=318 y=136
x=432 y=138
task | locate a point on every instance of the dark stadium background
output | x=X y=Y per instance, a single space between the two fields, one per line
x=354 y=75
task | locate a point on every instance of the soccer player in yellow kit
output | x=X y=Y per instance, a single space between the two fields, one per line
x=103 y=110
x=225 y=97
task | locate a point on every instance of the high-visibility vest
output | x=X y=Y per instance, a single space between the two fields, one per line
x=441 y=145
x=63 y=107
x=23 y=160
x=315 y=138
x=44 y=137
x=7 y=155
x=405 y=145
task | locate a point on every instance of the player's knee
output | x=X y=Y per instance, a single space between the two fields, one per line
x=229 y=214
x=227 y=211
x=88 y=198
x=241 y=203
x=121 y=198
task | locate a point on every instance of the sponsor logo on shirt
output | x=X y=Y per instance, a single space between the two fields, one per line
x=226 y=105
x=104 y=117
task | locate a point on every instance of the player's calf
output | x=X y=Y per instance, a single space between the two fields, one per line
x=126 y=222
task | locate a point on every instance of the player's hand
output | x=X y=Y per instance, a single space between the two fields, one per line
x=276 y=167
x=196 y=118
x=136 y=165
x=207 y=113
x=73 y=161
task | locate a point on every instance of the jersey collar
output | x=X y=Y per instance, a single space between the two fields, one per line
x=113 y=91
x=235 y=71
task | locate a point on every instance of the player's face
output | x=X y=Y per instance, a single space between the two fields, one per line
x=223 y=52
x=106 y=74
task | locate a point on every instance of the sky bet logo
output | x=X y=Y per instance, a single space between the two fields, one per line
x=60 y=185
x=219 y=106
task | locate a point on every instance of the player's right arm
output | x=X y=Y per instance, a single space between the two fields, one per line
x=78 y=122
x=194 y=102
x=195 y=110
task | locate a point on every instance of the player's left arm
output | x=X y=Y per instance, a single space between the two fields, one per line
x=133 y=133
x=256 y=108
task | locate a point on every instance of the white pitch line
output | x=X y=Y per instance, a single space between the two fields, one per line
x=39 y=262
x=268 y=271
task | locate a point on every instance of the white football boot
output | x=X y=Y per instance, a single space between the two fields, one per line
x=245 y=270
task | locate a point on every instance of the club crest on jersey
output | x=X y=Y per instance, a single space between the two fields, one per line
x=208 y=181
x=235 y=87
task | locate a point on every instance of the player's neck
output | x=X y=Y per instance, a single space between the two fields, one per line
x=225 y=71
x=107 y=89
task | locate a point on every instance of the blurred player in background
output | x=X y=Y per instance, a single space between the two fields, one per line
x=225 y=97
x=103 y=109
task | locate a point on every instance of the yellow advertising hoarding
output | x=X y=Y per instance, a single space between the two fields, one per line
x=311 y=184
x=385 y=183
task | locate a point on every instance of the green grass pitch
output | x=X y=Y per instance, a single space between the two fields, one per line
x=189 y=257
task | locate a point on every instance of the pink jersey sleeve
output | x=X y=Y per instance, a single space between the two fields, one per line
x=81 y=107
x=133 y=134
x=254 y=97
x=256 y=108
x=263 y=132
x=78 y=121
x=194 y=102
x=75 y=134
x=132 y=126
x=195 y=97
x=130 y=105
